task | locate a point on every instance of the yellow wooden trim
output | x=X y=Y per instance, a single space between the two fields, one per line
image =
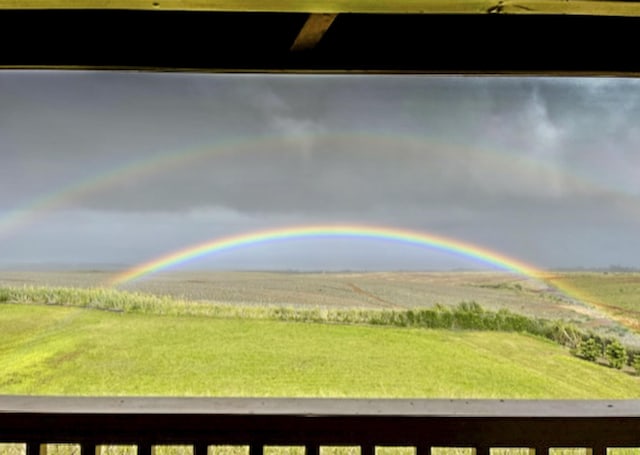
x=583 y=7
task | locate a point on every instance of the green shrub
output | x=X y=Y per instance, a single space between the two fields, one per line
x=616 y=354
x=636 y=363
x=590 y=349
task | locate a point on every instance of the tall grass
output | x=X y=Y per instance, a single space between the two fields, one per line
x=465 y=316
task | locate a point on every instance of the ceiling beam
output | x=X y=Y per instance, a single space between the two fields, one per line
x=312 y=31
x=569 y=44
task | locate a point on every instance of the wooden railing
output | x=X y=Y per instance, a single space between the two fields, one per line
x=313 y=423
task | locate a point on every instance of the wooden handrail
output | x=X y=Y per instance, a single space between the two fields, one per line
x=200 y=422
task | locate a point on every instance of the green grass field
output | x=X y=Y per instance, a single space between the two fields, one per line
x=78 y=351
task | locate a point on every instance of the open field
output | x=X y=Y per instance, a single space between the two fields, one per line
x=388 y=290
x=350 y=289
x=61 y=350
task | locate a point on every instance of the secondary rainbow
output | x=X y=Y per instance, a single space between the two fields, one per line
x=28 y=213
x=320 y=231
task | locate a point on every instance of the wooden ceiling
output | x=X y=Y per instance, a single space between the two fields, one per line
x=548 y=37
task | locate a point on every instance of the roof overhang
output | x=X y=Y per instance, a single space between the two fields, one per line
x=550 y=37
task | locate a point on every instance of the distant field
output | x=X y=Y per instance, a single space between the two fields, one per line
x=616 y=292
x=58 y=350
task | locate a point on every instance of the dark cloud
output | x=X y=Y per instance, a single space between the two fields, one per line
x=511 y=163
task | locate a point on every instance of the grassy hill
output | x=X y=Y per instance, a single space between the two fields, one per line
x=66 y=350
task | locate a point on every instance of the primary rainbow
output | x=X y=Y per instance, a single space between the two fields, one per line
x=359 y=231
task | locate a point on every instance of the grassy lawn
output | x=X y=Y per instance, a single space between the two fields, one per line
x=62 y=350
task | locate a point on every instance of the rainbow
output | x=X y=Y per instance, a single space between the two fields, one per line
x=28 y=213
x=357 y=231
x=46 y=203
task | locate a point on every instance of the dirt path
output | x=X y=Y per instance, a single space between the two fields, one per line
x=358 y=290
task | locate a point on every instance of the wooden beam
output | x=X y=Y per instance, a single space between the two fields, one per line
x=354 y=43
x=312 y=31
x=577 y=7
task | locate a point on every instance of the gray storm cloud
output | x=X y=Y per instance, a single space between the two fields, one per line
x=459 y=129
x=508 y=162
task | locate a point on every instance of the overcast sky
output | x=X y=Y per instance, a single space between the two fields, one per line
x=119 y=168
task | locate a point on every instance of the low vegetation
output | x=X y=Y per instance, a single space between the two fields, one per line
x=468 y=319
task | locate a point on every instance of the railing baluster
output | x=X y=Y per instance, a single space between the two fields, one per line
x=89 y=448
x=312 y=449
x=200 y=449
x=145 y=449
x=367 y=449
x=423 y=450
x=256 y=449
x=36 y=448
x=597 y=450
x=481 y=451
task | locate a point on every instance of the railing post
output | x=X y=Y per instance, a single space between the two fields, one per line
x=422 y=449
x=36 y=448
x=256 y=449
x=481 y=451
x=199 y=449
x=597 y=450
x=145 y=449
x=89 y=448
x=312 y=449
x=367 y=449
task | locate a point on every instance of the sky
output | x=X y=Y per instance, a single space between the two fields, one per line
x=118 y=168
